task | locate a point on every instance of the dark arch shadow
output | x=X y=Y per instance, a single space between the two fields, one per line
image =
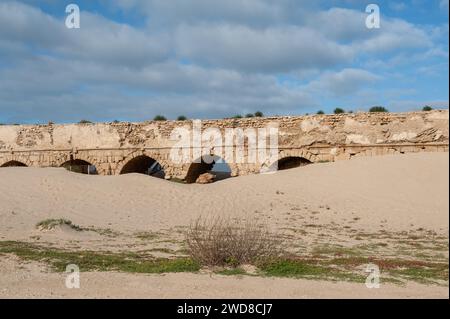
x=80 y=166
x=14 y=164
x=208 y=164
x=144 y=165
x=290 y=162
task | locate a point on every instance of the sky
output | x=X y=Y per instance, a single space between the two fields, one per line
x=133 y=59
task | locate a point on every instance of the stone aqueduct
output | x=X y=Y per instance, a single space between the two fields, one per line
x=116 y=148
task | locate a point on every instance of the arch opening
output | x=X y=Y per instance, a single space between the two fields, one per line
x=14 y=164
x=291 y=162
x=208 y=164
x=144 y=165
x=80 y=166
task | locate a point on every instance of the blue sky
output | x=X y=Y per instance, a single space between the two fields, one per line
x=134 y=59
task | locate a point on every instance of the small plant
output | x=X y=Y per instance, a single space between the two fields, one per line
x=116 y=121
x=227 y=242
x=378 y=109
x=50 y=224
x=427 y=108
x=320 y=112
x=237 y=116
x=339 y=110
x=159 y=118
x=259 y=114
x=249 y=115
x=181 y=118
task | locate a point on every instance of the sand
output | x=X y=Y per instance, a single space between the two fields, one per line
x=33 y=280
x=392 y=193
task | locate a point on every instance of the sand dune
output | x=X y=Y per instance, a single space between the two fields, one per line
x=402 y=190
x=391 y=193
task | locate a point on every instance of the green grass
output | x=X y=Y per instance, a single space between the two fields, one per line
x=162 y=250
x=97 y=261
x=232 y=272
x=343 y=265
x=103 y=231
x=422 y=274
x=307 y=269
x=51 y=223
x=147 y=235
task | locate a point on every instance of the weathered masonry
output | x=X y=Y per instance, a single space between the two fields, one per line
x=119 y=148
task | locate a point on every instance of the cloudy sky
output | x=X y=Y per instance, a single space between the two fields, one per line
x=134 y=59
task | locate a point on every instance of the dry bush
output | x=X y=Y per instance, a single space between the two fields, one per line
x=223 y=241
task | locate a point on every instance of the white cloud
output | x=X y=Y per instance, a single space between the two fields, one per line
x=202 y=58
x=342 y=83
x=397 y=6
x=272 y=49
x=98 y=39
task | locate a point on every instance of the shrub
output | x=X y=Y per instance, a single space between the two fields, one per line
x=378 y=109
x=181 y=118
x=227 y=242
x=320 y=112
x=338 y=110
x=238 y=116
x=427 y=108
x=159 y=118
x=84 y=122
x=249 y=115
x=49 y=224
x=259 y=114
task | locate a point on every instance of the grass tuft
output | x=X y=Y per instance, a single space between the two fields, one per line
x=50 y=224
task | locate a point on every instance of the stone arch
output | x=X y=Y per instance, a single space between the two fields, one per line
x=143 y=164
x=139 y=159
x=292 y=159
x=14 y=163
x=291 y=162
x=13 y=158
x=81 y=166
x=209 y=163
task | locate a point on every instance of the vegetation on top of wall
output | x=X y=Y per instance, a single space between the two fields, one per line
x=84 y=122
x=427 y=108
x=320 y=112
x=249 y=115
x=378 y=109
x=159 y=118
x=181 y=118
x=339 y=110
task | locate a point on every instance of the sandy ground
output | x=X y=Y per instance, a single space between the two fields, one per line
x=32 y=280
x=390 y=193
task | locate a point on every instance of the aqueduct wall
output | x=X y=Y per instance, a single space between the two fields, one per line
x=316 y=138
